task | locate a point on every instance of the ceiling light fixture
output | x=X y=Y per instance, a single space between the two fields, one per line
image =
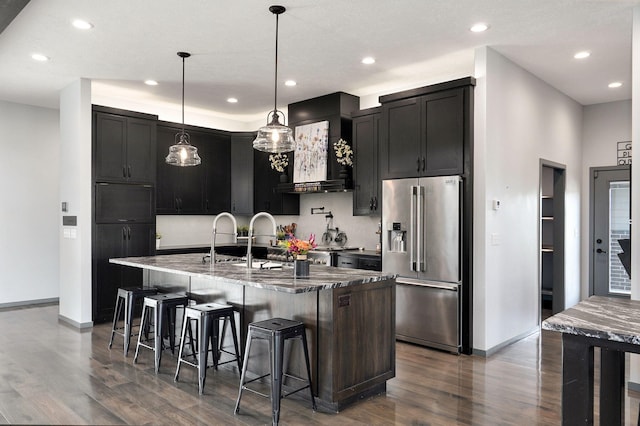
x=368 y=60
x=290 y=83
x=82 y=24
x=182 y=153
x=151 y=82
x=479 y=27
x=232 y=100
x=582 y=55
x=615 y=85
x=39 y=57
x=275 y=137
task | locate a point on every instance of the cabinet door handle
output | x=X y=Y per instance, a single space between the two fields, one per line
x=424 y=164
x=371 y=203
x=124 y=232
x=418 y=164
x=124 y=171
x=129 y=170
x=375 y=203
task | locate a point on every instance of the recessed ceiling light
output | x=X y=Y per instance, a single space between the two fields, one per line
x=39 y=57
x=615 y=85
x=479 y=27
x=368 y=60
x=290 y=83
x=82 y=24
x=582 y=55
x=232 y=100
x=151 y=82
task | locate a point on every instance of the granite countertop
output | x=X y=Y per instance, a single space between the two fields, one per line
x=232 y=271
x=607 y=318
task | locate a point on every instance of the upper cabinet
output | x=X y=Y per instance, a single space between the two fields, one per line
x=124 y=146
x=265 y=182
x=203 y=189
x=366 y=191
x=426 y=131
x=242 y=173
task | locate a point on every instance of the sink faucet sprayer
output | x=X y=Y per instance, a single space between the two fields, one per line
x=253 y=219
x=215 y=232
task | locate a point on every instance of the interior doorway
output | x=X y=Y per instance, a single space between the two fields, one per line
x=610 y=229
x=552 y=237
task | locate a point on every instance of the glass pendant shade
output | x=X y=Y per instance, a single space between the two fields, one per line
x=182 y=153
x=274 y=138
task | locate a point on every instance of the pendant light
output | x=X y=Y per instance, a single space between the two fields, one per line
x=182 y=153
x=275 y=137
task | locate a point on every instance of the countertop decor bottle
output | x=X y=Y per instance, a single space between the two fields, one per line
x=301 y=266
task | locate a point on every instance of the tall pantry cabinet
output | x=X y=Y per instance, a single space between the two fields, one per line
x=123 y=192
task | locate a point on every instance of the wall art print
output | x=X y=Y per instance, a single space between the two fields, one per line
x=310 y=156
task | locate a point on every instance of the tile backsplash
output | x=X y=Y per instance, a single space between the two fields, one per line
x=360 y=230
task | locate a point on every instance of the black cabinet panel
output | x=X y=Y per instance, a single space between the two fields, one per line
x=400 y=149
x=242 y=173
x=124 y=148
x=366 y=195
x=124 y=203
x=444 y=132
x=203 y=189
x=265 y=181
x=115 y=240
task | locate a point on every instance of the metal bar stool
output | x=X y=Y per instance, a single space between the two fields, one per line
x=276 y=331
x=207 y=317
x=164 y=309
x=125 y=303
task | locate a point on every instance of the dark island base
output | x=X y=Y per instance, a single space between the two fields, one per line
x=350 y=331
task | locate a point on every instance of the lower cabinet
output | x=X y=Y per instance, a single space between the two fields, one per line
x=117 y=240
x=359 y=261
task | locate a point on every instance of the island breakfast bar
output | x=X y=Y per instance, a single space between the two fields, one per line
x=613 y=325
x=349 y=314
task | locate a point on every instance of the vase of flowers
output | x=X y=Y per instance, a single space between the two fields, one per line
x=279 y=163
x=299 y=250
x=344 y=157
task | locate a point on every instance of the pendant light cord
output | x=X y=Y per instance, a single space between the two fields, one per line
x=183 y=95
x=275 y=83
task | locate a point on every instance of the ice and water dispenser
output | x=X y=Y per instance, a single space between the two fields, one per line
x=397 y=237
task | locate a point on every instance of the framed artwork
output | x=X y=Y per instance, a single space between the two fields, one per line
x=310 y=156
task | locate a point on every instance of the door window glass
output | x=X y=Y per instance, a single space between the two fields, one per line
x=619 y=198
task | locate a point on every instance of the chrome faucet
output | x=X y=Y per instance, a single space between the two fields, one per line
x=253 y=219
x=215 y=232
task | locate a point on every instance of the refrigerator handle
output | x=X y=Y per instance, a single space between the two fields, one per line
x=412 y=221
x=419 y=242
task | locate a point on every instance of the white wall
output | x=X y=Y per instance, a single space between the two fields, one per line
x=196 y=230
x=604 y=126
x=29 y=212
x=519 y=120
x=75 y=189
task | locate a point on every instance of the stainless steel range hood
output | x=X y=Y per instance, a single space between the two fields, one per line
x=334 y=185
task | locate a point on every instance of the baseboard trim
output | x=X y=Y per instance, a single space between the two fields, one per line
x=85 y=326
x=27 y=303
x=493 y=350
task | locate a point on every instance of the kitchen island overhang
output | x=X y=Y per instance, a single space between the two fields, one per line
x=349 y=314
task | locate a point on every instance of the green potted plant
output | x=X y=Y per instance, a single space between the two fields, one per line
x=243 y=230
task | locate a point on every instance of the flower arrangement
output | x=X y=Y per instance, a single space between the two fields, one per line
x=279 y=162
x=297 y=247
x=343 y=152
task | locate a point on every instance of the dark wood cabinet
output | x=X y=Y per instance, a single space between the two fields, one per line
x=203 y=189
x=242 y=173
x=124 y=215
x=366 y=186
x=265 y=182
x=356 y=260
x=117 y=240
x=124 y=146
x=425 y=131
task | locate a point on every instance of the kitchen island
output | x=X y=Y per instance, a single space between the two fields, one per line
x=349 y=314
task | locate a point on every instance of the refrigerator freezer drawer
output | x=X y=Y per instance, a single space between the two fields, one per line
x=428 y=315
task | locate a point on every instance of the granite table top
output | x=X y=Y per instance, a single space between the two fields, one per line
x=234 y=271
x=607 y=318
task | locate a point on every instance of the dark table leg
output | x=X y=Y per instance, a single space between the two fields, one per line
x=577 y=381
x=611 y=387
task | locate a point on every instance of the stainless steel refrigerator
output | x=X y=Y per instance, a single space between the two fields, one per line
x=421 y=242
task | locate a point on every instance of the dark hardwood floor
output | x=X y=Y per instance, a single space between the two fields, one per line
x=53 y=374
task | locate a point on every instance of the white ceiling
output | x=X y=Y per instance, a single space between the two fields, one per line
x=415 y=42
